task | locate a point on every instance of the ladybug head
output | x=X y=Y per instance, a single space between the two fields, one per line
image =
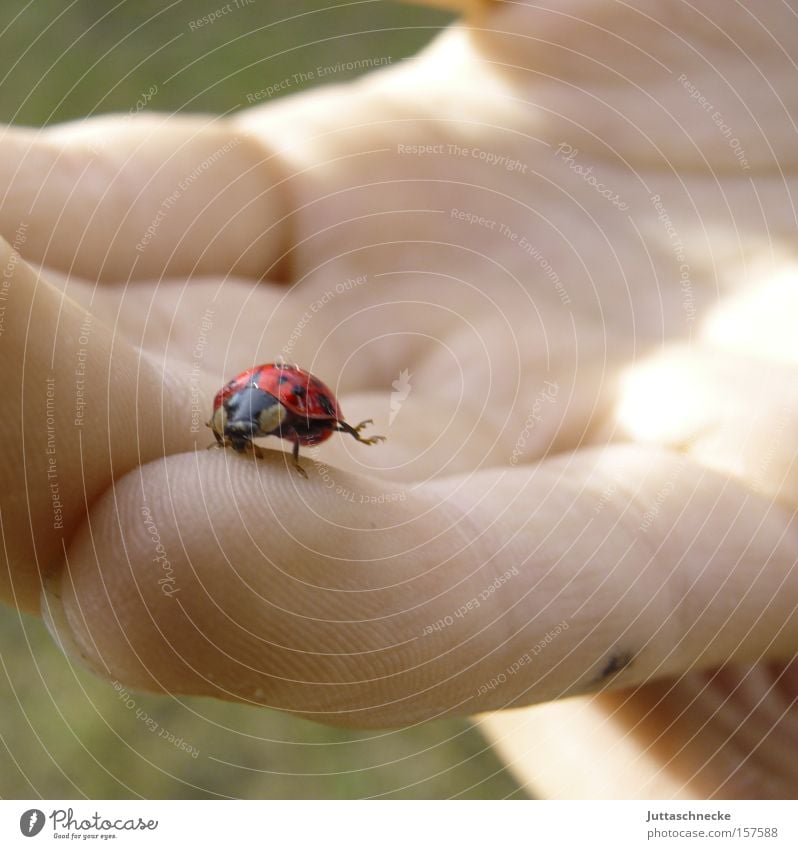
x=249 y=413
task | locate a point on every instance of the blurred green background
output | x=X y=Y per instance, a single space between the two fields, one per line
x=64 y=734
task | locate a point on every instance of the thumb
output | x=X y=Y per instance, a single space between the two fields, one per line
x=359 y=603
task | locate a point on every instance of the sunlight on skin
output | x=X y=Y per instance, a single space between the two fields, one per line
x=663 y=400
x=760 y=322
x=712 y=408
x=657 y=404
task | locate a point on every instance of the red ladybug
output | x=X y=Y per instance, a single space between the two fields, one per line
x=282 y=400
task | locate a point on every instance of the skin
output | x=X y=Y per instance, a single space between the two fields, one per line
x=592 y=474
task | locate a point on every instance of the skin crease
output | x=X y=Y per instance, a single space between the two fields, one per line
x=589 y=436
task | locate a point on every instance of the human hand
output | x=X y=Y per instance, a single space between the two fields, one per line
x=448 y=571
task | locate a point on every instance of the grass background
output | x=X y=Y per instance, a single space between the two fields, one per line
x=63 y=733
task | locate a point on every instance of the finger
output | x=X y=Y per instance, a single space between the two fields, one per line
x=717 y=734
x=363 y=604
x=732 y=413
x=79 y=408
x=122 y=197
x=397 y=167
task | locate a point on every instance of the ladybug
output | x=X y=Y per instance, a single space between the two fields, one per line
x=278 y=399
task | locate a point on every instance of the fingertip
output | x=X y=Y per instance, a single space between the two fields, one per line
x=211 y=573
x=66 y=634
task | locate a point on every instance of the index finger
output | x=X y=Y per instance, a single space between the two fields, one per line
x=498 y=589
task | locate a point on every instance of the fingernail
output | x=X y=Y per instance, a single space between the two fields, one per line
x=56 y=620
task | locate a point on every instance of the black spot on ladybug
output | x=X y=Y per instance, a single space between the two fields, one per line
x=299 y=391
x=616 y=662
x=284 y=378
x=326 y=405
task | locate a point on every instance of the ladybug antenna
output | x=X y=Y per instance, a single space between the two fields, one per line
x=284 y=365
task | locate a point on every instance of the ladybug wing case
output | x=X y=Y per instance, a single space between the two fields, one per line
x=300 y=392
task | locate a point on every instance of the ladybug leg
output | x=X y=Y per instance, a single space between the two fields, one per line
x=299 y=468
x=219 y=441
x=355 y=431
x=239 y=445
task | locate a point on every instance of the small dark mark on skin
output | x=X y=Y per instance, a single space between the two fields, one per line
x=616 y=662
